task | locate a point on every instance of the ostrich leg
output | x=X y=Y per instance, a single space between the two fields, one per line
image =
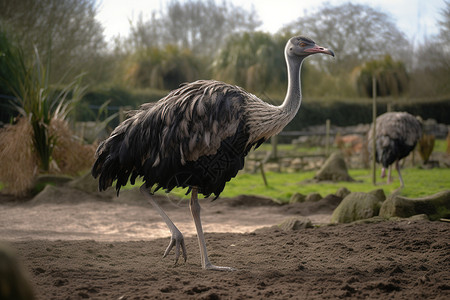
x=195 y=211
x=177 y=238
x=397 y=167
x=389 y=179
x=383 y=172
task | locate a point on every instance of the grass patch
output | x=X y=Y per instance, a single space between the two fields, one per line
x=294 y=149
x=440 y=146
x=282 y=186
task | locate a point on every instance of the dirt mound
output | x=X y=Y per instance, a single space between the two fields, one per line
x=323 y=206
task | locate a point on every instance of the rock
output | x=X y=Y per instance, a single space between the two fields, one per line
x=250 y=200
x=297 y=197
x=313 y=197
x=434 y=206
x=135 y=197
x=295 y=223
x=419 y=217
x=89 y=184
x=272 y=167
x=356 y=206
x=15 y=283
x=62 y=195
x=52 y=179
x=342 y=192
x=330 y=200
x=334 y=169
x=379 y=193
x=297 y=164
x=85 y=183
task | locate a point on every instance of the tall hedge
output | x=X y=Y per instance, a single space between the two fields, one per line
x=348 y=114
x=312 y=112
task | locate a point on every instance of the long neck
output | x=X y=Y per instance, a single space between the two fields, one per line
x=265 y=120
x=293 y=99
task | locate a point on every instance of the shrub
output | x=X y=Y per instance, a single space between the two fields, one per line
x=18 y=160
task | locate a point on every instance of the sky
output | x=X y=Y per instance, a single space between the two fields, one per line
x=416 y=18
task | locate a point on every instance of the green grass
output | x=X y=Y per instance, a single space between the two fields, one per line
x=294 y=149
x=440 y=146
x=281 y=186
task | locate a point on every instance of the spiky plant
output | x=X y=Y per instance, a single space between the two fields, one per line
x=34 y=98
x=40 y=139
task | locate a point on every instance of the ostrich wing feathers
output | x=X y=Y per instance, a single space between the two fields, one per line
x=169 y=143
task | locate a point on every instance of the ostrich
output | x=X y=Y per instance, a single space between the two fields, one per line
x=397 y=134
x=197 y=138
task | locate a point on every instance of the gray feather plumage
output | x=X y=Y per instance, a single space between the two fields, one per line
x=397 y=133
x=189 y=123
x=399 y=125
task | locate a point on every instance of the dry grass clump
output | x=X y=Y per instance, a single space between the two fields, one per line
x=448 y=143
x=70 y=156
x=426 y=145
x=18 y=162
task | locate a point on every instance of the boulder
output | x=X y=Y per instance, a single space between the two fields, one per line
x=379 y=193
x=134 y=196
x=62 y=195
x=356 y=206
x=295 y=223
x=434 y=206
x=313 y=197
x=85 y=183
x=53 y=179
x=334 y=169
x=297 y=197
x=89 y=184
x=342 y=192
x=297 y=164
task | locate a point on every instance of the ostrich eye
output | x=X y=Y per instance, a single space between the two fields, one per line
x=302 y=44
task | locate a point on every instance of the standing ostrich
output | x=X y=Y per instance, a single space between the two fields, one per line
x=197 y=137
x=397 y=134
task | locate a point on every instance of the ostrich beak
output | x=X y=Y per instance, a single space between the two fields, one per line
x=318 y=49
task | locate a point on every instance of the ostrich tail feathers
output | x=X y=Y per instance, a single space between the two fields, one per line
x=107 y=166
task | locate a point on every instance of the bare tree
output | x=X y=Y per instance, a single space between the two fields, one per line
x=391 y=77
x=432 y=68
x=253 y=60
x=201 y=26
x=444 y=33
x=66 y=30
x=356 y=32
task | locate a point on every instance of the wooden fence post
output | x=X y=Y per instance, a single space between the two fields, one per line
x=263 y=174
x=374 y=130
x=327 y=137
x=274 y=142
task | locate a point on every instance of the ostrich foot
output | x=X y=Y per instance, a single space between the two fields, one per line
x=177 y=241
x=210 y=266
x=177 y=238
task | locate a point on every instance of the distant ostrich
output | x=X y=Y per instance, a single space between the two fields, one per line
x=397 y=134
x=197 y=137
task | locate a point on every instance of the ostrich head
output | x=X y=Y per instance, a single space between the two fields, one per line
x=302 y=46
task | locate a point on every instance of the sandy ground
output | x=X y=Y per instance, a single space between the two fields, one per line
x=79 y=246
